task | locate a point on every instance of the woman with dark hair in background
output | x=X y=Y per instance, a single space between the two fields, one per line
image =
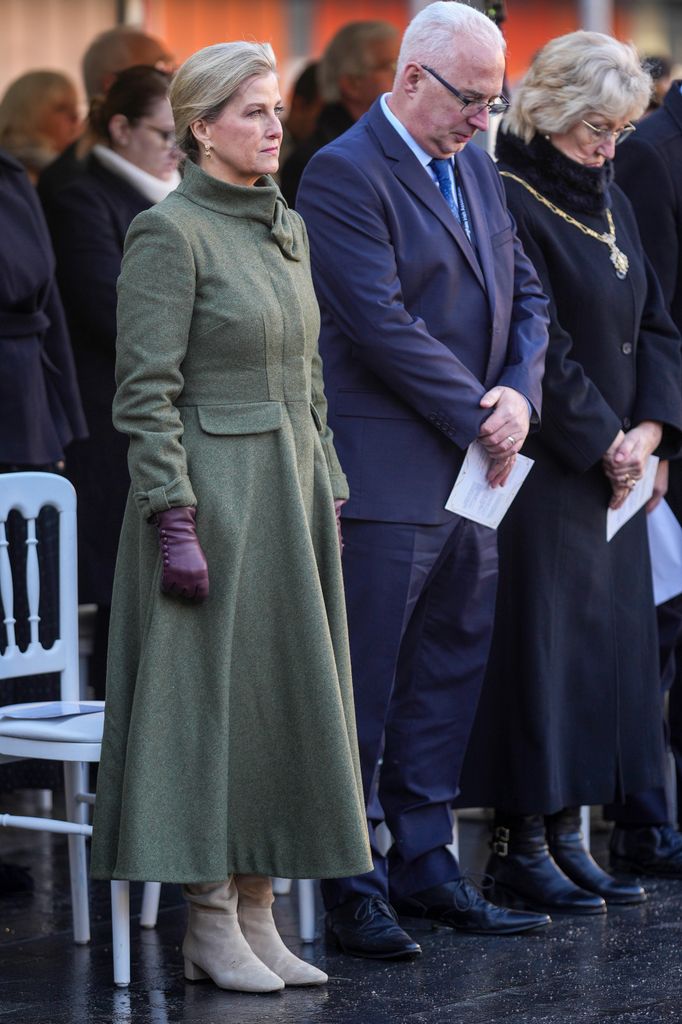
x=132 y=166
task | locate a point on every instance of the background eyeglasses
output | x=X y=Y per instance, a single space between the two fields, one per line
x=606 y=134
x=473 y=107
x=167 y=135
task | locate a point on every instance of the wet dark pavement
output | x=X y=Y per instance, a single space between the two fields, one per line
x=622 y=968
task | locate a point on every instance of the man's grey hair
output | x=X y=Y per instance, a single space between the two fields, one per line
x=347 y=53
x=431 y=35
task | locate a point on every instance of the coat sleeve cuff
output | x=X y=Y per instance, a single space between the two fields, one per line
x=173 y=495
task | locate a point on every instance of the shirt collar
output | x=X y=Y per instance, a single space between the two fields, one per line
x=422 y=156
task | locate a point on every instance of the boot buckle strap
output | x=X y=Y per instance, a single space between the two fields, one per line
x=501 y=841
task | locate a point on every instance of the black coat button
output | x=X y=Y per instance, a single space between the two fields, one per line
x=626 y=348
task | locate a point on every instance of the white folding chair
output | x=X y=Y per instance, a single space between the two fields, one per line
x=57 y=730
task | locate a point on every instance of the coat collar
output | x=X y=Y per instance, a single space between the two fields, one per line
x=409 y=171
x=261 y=202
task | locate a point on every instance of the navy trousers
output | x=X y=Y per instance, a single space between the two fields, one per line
x=420 y=614
x=655 y=806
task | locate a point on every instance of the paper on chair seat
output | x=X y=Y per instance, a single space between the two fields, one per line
x=86 y=728
x=51 y=709
x=474 y=498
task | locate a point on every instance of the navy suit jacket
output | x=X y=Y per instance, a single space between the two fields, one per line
x=415 y=326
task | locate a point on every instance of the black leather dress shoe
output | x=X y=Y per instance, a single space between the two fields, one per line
x=460 y=905
x=567 y=849
x=367 y=926
x=655 y=850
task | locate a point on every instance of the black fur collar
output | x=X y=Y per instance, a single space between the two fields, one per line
x=568 y=184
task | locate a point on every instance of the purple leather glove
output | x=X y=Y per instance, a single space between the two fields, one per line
x=185 y=572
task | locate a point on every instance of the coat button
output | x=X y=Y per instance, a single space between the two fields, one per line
x=626 y=348
x=627 y=422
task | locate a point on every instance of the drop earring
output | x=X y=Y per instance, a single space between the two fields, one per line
x=207 y=151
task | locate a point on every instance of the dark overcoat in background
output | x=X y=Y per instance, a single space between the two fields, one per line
x=648 y=169
x=88 y=220
x=570 y=708
x=40 y=413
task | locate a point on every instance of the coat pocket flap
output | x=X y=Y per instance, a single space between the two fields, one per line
x=245 y=418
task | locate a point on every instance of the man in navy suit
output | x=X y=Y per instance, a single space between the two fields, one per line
x=433 y=336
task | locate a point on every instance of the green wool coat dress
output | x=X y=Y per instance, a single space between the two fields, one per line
x=229 y=741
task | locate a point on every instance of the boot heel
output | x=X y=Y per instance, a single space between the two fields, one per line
x=194 y=973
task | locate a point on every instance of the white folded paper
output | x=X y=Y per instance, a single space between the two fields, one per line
x=474 y=498
x=50 y=709
x=638 y=496
x=665 y=543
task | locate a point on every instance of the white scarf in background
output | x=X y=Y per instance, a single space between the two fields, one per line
x=153 y=188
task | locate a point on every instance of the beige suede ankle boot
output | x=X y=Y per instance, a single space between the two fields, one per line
x=259 y=929
x=214 y=946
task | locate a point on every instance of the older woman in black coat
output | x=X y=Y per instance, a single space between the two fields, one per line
x=570 y=710
x=132 y=166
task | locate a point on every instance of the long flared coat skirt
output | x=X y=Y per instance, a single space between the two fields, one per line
x=229 y=740
x=570 y=710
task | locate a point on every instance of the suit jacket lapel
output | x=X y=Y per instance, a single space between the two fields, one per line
x=479 y=225
x=407 y=168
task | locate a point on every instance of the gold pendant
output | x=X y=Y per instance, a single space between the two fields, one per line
x=620 y=261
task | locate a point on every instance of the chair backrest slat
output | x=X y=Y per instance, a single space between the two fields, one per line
x=28 y=493
x=6 y=590
x=32 y=580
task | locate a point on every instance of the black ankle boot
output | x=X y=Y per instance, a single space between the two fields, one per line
x=565 y=839
x=524 y=871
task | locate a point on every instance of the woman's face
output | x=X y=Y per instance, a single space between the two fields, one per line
x=149 y=143
x=244 y=141
x=60 y=121
x=591 y=141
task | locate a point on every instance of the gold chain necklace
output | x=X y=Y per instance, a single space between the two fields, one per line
x=619 y=259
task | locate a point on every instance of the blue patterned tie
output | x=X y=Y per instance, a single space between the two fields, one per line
x=441 y=169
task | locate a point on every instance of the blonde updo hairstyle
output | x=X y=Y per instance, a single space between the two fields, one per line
x=207 y=81
x=576 y=74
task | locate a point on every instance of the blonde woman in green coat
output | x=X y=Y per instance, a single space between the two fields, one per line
x=229 y=750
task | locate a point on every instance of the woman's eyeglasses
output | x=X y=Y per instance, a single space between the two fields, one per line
x=606 y=134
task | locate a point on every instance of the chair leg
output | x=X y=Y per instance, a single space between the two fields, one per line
x=120 y=931
x=281 y=886
x=74 y=782
x=151 y=894
x=306 y=909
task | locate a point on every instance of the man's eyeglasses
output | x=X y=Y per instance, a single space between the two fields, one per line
x=472 y=107
x=166 y=134
x=606 y=134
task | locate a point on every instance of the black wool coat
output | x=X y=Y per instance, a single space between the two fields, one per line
x=570 y=711
x=40 y=408
x=649 y=170
x=88 y=220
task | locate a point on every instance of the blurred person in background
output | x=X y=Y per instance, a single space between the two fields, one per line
x=38 y=119
x=132 y=165
x=109 y=53
x=661 y=71
x=40 y=414
x=304 y=109
x=569 y=713
x=357 y=66
x=649 y=170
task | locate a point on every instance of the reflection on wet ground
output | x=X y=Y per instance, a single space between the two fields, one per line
x=622 y=968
